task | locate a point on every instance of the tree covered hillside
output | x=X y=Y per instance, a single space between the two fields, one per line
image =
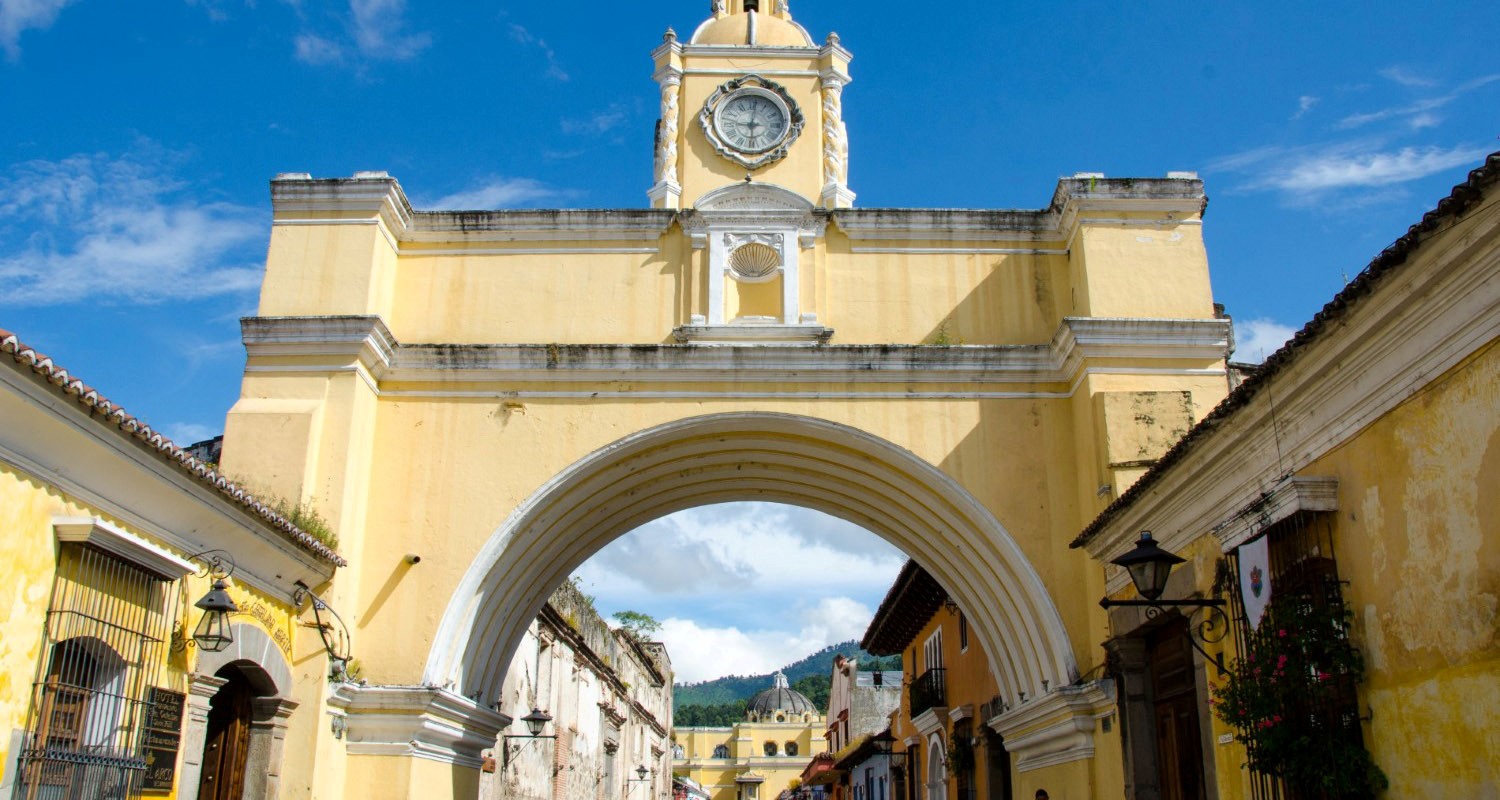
x=721 y=702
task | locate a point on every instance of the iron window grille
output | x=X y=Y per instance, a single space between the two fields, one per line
x=928 y=691
x=106 y=639
x=1302 y=566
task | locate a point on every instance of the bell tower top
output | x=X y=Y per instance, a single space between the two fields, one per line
x=763 y=23
x=751 y=98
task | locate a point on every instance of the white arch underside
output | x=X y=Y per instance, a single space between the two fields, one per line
x=753 y=456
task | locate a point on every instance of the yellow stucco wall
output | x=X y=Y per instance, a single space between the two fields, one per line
x=28 y=508
x=1418 y=540
x=746 y=742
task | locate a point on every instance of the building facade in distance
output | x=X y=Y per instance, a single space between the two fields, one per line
x=759 y=758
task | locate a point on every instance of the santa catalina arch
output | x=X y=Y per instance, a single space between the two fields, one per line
x=502 y=393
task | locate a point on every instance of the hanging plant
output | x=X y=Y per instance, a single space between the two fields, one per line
x=960 y=754
x=1293 y=704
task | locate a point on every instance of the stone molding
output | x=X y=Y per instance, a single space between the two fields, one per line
x=416 y=722
x=930 y=721
x=127 y=546
x=252 y=644
x=364 y=345
x=1056 y=728
x=1292 y=495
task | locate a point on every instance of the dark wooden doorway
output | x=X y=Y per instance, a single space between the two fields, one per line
x=1179 y=750
x=227 y=748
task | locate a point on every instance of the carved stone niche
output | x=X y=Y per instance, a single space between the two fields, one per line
x=754 y=233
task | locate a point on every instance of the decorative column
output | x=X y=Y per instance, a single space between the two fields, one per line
x=267 y=740
x=666 y=192
x=834 y=77
x=1127 y=659
x=201 y=691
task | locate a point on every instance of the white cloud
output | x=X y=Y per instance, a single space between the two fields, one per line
x=1308 y=174
x=1257 y=339
x=1419 y=107
x=21 y=15
x=499 y=193
x=554 y=69
x=1338 y=170
x=97 y=228
x=597 y=124
x=372 y=30
x=1305 y=104
x=1406 y=77
x=701 y=653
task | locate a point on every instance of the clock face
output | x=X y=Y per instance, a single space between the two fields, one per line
x=751 y=122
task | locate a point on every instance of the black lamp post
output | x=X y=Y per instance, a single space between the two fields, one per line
x=213 y=633
x=1149 y=567
x=536 y=722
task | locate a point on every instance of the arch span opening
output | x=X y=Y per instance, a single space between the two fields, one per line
x=803 y=461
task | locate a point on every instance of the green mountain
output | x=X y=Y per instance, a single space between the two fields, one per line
x=722 y=701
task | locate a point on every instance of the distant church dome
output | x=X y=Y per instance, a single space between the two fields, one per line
x=780 y=703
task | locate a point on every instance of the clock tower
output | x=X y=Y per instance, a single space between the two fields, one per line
x=751 y=98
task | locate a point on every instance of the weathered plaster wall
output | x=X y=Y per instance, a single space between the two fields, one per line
x=1418 y=541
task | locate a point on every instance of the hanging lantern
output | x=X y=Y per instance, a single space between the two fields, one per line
x=213 y=634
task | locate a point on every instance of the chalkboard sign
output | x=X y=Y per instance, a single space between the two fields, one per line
x=163 y=738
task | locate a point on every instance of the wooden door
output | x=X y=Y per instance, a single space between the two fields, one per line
x=228 y=744
x=1179 y=754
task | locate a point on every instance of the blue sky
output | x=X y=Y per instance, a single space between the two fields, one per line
x=139 y=138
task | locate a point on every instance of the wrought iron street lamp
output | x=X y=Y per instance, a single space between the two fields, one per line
x=1149 y=567
x=536 y=722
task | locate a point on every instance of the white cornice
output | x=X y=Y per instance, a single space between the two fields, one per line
x=1056 y=728
x=127 y=546
x=1292 y=495
x=364 y=343
x=416 y=721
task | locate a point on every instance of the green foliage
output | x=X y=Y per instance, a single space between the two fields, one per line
x=728 y=689
x=942 y=337
x=304 y=516
x=641 y=627
x=1292 y=700
x=815 y=688
x=718 y=715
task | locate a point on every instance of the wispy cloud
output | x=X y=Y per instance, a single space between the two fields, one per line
x=1305 y=103
x=371 y=30
x=520 y=34
x=598 y=123
x=1256 y=339
x=1406 y=77
x=22 y=15
x=1307 y=174
x=496 y=193
x=1418 y=107
x=186 y=433
x=120 y=229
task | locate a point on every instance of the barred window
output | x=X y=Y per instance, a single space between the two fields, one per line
x=107 y=632
x=1301 y=571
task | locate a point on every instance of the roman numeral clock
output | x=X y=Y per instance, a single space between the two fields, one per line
x=751 y=121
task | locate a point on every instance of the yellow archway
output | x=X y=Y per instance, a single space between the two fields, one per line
x=798 y=460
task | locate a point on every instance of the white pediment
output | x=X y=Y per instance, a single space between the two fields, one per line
x=741 y=197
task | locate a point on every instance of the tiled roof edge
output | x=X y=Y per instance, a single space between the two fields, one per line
x=107 y=411
x=1463 y=196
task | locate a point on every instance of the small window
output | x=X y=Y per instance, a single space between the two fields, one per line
x=722 y=751
x=963 y=633
x=770 y=748
x=791 y=748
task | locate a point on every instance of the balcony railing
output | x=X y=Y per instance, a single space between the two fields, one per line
x=928 y=691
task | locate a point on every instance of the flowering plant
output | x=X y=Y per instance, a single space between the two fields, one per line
x=1292 y=700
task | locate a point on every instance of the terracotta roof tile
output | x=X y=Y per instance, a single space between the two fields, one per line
x=111 y=414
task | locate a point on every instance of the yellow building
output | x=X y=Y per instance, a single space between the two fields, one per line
x=502 y=393
x=1358 y=469
x=112 y=683
x=946 y=748
x=756 y=759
